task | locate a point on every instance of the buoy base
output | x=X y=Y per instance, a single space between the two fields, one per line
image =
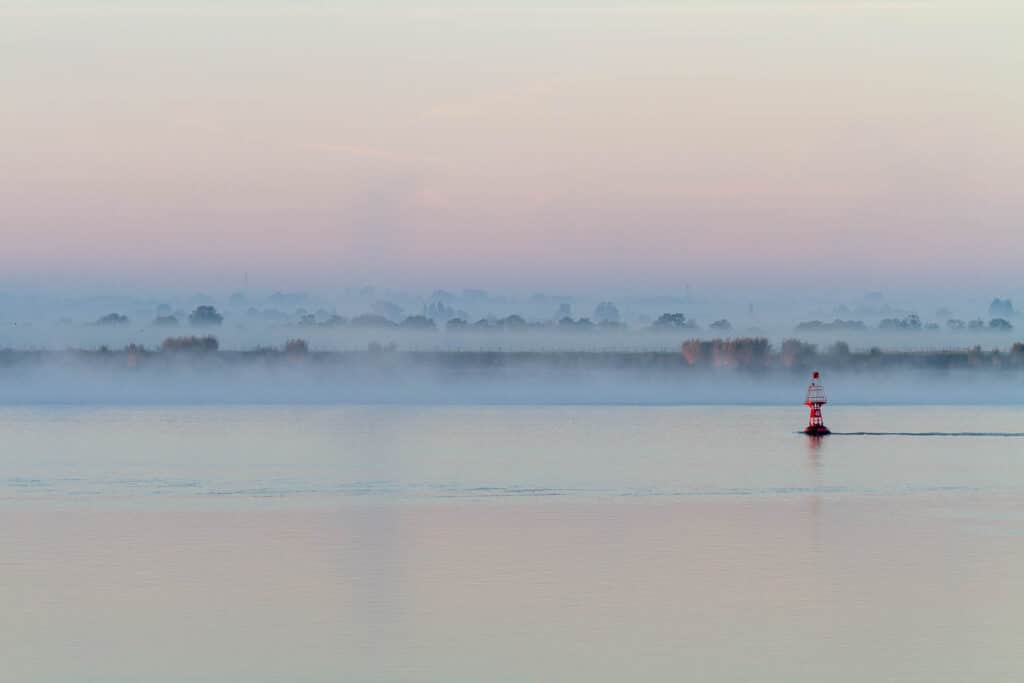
x=817 y=430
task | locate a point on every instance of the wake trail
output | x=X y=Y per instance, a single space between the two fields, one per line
x=992 y=434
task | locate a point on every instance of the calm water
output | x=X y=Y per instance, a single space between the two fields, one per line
x=451 y=543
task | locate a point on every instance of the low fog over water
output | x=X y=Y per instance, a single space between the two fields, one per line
x=472 y=346
x=469 y=378
x=474 y=319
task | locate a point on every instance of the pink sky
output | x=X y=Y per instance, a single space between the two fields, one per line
x=709 y=142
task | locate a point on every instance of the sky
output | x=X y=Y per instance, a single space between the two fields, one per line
x=627 y=146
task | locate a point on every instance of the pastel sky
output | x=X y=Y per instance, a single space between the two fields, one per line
x=511 y=144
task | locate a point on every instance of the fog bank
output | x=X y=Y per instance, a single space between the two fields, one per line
x=397 y=378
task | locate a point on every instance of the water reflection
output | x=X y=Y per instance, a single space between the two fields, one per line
x=724 y=589
x=814 y=444
x=402 y=452
x=512 y=543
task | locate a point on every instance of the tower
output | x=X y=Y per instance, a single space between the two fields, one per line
x=815 y=400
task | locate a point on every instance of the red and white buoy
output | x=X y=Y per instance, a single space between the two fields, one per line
x=815 y=400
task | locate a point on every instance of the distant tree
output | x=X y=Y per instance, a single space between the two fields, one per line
x=835 y=325
x=190 y=344
x=296 y=347
x=418 y=322
x=955 y=324
x=1001 y=308
x=839 y=350
x=456 y=324
x=976 y=324
x=974 y=356
x=606 y=312
x=722 y=325
x=205 y=316
x=513 y=322
x=668 y=321
x=334 y=321
x=307 y=320
x=113 y=319
x=439 y=310
x=910 y=322
x=581 y=325
x=797 y=354
x=749 y=353
x=696 y=351
x=1000 y=325
x=370 y=320
x=165 y=321
x=377 y=347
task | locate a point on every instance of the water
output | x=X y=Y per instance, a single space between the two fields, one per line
x=510 y=543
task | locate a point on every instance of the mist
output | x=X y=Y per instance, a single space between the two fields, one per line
x=437 y=319
x=471 y=378
x=385 y=345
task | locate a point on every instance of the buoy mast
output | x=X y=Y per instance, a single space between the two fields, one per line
x=815 y=400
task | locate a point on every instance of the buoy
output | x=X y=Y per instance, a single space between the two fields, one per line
x=815 y=400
